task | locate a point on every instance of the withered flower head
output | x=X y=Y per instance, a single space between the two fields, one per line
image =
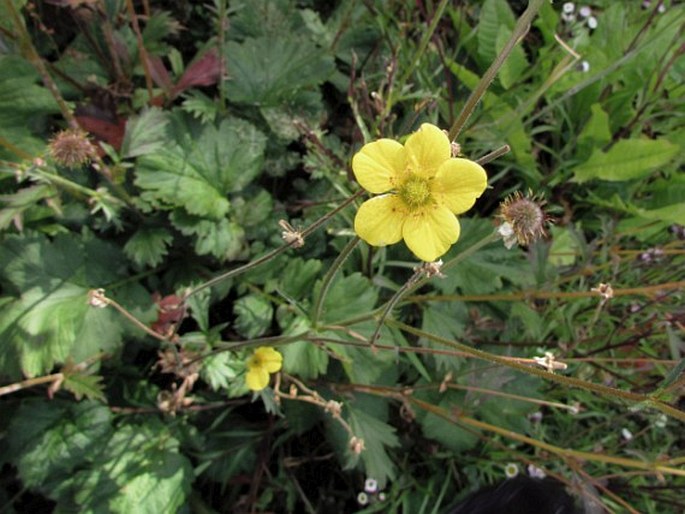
x=523 y=219
x=71 y=148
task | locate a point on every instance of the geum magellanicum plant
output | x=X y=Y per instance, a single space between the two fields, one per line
x=422 y=188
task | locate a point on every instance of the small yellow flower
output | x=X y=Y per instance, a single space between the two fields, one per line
x=263 y=361
x=424 y=188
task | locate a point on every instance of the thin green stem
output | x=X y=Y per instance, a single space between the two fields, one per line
x=390 y=304
x=273 y=253
x=495 y=154
x=328 y=279
x=520 y=30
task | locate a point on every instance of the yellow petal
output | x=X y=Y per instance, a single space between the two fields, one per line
x=378 y=165
x=427 y=149
x=379 y=220
x=458 y=183
x=270 y=359
x=430 y=232
x=257 y=379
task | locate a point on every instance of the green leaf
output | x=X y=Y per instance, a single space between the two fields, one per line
x=304 y=359
x=220 y=370
x=148 y=246
x=16 y=204
x=348 y=297
x=297 y=278
x=83 y=385
x=48 y=440
x=595 y=134
x=41 y=326
x=271 y=70
x=494 y=15
x=139 y=471
x=224 y=239
x=24 y=107
x=145 y=133
x=446 y=432
x=628 y=159
x=447 y=320
x=253 y=315
x=515 y=65
x=366 y=417
x=199 y=168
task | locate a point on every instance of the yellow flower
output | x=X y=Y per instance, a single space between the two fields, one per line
x=424 y=186
x=263 y=361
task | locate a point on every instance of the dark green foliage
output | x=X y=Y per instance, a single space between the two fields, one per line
x=240 y=114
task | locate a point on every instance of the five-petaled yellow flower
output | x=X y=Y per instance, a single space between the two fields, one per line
x=424 y=186
x=263 y=361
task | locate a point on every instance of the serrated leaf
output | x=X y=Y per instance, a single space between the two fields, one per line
x=43 y=325
x=270 y=70
x=254 y=315
x=201 y=166
x=24 y=107
x=48 y=440
x=348 y=297
x=148 y=246
x=304 y=359
x=145 y=133
x=298 y=276
x=220 y=370
x=139 y=471
x=628 y=159
x=377 y=436
x=83 y=385
x=224 y=239
x=50 y=314
x=449 y=434
x=447 y=320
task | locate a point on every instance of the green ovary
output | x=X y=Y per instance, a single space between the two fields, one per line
x=415 y=192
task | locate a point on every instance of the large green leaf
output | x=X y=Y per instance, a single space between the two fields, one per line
x=49 y=314
x=24 y=107
x=138 y=469
x=271 y=70
x=628 y=159
x=199 y=167
x=48 y=440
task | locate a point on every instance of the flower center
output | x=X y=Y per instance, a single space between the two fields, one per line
x=415 y=191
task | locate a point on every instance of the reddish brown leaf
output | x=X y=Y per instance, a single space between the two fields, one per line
x=205 y=71
x=110 y=132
